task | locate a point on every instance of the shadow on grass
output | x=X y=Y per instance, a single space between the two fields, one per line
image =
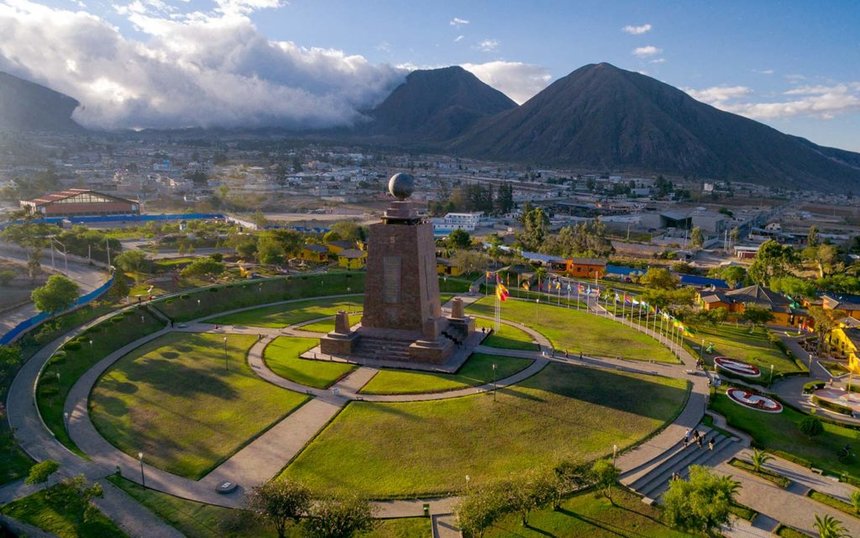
x=595 y=523
x=176 y=379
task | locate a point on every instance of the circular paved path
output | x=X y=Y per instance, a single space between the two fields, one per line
x=264 y=457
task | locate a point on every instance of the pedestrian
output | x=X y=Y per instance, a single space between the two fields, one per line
x=695 y=434
x=711 y=445
x=566 y=354
x=580 y=355
x=699 y=442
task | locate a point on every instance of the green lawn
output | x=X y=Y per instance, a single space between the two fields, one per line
x=173 y=400
x=587 y=516
x=738 y=343
x=282 y=357
x=61 y=512
x=217 y=299
x=476 y=371
x=198 y=520
x=80 y=356
x=288 y=314
x=577 y=331
x=507 y=337
x=422 y=448
x=781 y=433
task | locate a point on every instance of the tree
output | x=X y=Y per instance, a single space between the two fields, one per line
x=812 y=236
x=6 y=277
x=659 y=278
x=829 y=527
x=334 y=517
x=280 y=501
x=734 y=234
x=203 y=267
x=605 y=475
x=759 y=458
x=505 y=199
x=825 y=321
x=535 y=228
x=469 y=261
x=58 y=294
x=756 y=315
x=347 y=230
x=270 y=251
x=697 y=238
x=40 y=472
x=459 y=239
x=811 y=426
x=131 y=261
x=478 y=510
x=700 y=504
x=772 y=260
x=794 y=286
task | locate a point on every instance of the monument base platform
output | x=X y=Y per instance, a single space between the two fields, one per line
x=394 y=349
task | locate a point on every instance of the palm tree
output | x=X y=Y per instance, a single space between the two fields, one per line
x=829 y=527
x=759 y=458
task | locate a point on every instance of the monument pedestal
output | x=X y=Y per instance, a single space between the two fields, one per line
x=402 y=318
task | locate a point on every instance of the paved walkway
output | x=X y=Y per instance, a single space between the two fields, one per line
x=264 y=457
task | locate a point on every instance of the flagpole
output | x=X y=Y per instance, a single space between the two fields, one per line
x=498 y=313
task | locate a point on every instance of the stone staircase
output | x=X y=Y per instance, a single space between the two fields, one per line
x=382 y=350
x=652 y=478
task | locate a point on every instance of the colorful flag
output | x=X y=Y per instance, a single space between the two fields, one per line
x=501 y=291
x=526 y=285
x=558 y=285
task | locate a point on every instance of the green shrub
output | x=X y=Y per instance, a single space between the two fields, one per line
x=72 y=345
x=184 y=296
x=811 y=426
x=832 y=406
x=812 y=386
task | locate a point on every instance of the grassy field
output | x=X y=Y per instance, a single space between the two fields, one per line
x=173 y=400
x=507 y=337
x=59 y=511
x=78 y=356
x=282 y=357
x=256 y=292
x=408 y=449
x=587 y=516
x=738 y=343
x=781 y=433
x=577 y=331
x=288 y=314
x=476 y=371
x=198 y=520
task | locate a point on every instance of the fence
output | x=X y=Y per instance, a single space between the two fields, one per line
x=40 y=318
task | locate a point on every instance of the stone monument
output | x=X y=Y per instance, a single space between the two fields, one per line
x=402 y=319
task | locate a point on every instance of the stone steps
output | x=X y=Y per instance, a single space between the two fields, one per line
x=377 y=349
x=677 y=460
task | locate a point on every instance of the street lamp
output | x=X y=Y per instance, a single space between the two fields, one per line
x=494 y=382
x=467 y=482
x=66 y=418
x=771 y=375
x=198 y=303
x=91 y=345
x=226 y=365
x=142 y=477
x=614 y=454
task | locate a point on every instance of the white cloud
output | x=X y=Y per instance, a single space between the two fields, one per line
x=636 y=30
x=644 y=52
x=457 y=21
x=489 y=45
x=658 y=61
x=459 y=38
x=718 y=94
x=194 y=69
x=517 y=80
x=764 y=71
x=823 y=102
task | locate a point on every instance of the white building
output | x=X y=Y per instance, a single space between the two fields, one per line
x=457 y=221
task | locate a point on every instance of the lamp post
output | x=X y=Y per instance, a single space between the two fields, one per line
x=467 y=482
x=770 y=381
x=91 y=345
x=226 y=364
x=66 y=418
x=142 y=477
x=198 y=303
x=614 y=454
x=494 y=382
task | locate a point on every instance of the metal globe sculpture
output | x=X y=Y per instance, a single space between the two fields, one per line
x=401 y=186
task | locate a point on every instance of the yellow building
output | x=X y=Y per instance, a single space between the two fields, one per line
x=844 y=341
x=352 y=258
x=314 y=254
x=849 y=304
x=444 y=266
x=336 y=247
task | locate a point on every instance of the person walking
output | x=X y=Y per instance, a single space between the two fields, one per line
x=711 y=445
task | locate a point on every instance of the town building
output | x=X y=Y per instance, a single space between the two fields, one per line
x=785 y=313
x=457 y=221
x=586 y=267
x=80 y=202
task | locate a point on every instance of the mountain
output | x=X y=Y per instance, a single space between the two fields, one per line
x=26 y=106
x=601 y=117
x=435 y=105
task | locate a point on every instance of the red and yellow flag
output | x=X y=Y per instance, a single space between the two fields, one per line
x=501 y=292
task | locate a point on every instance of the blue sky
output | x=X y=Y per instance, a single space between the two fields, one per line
x=793 y=65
